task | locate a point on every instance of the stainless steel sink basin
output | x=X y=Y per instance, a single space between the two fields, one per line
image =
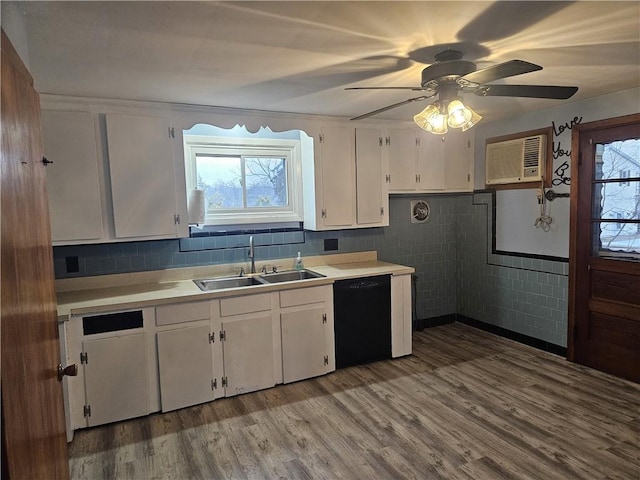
x=290 y=276
x=208 y=284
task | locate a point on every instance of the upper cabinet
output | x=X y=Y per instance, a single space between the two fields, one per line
x=142 y=177
x=423 y=162
x=73 y=179
x=113 y=177
x=344 y=187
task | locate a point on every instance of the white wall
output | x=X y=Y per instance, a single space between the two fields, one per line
x=14 y=24
x=516 y=210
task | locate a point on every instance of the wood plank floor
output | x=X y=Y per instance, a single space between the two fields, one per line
x=465 y=405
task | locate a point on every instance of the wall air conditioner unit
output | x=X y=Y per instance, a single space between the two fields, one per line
x=516 y=161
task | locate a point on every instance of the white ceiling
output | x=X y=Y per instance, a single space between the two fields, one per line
x=299 y=56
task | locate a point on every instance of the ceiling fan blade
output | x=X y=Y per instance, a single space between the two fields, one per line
x=532 y=91
x=389 y=88
x=389 y=107
x=502 y=70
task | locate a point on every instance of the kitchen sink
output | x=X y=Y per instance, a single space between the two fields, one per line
x=209 y=284
x=290 y=276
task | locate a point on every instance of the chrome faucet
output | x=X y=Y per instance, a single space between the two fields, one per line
x=252 y=255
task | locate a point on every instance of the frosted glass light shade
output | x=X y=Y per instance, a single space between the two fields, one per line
x=475 y=118
x=431 y=120
x=459 y=115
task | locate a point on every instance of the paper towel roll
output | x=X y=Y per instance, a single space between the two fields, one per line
x=196 y=206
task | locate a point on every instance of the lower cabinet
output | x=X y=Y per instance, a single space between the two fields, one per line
x=307 y=333
x=185 y=366
x=115 y=376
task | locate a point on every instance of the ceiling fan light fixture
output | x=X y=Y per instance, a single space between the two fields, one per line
x=475 y=118
x=458 y=114
x=431 y=120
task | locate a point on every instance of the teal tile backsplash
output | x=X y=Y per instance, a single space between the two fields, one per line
x=455 y=270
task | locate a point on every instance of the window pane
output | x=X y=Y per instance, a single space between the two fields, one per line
x=614 y=201
x=221 y=180
x=616 y=237
x=266 y=182
x=618 y=160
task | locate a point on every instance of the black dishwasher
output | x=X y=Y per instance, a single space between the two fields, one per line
x=362 y=320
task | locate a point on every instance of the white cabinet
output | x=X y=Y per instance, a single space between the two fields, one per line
x=345 y=186
x=423 y=162
x=248 y=333
x=400 y=315
x=186 y=368
x=113 y=177
x=115 y=374
x=372 y=197
x=306 y=320
x=73 y=179
x=142 y=176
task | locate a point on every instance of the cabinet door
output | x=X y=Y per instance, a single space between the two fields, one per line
x=458 y=161
x=185 y=362
x=142 y=176
x=303 y=346
x=73 y=181
x=431 y=162
x=115 y=376
x=248 y=354
x=372 y=199
x=338 y=170
x=401 y=154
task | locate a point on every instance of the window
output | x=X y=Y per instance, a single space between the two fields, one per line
x=246 y=180
x=624 y=174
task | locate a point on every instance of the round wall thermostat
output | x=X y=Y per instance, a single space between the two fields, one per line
x=420 y=211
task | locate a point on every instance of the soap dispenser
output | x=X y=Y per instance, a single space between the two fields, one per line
x=298 y=263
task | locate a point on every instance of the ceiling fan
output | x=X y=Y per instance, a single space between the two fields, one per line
x=450 y=76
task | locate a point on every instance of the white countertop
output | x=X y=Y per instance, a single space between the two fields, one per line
x=124 y=291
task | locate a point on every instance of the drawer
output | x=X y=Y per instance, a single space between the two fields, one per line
x=245 y=304
x=302 y=296
x=182 y=312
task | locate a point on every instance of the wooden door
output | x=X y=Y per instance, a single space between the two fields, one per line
x=604 y=259
x=338 y=171
x=33 y=429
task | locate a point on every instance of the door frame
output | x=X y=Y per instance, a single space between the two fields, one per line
x=579 y=132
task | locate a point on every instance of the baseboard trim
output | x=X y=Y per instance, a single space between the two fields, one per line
x=511 y=335
x=423 y=323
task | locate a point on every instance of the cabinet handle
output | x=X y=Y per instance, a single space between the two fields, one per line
x=46 y=161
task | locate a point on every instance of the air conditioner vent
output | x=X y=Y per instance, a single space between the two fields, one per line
x=516 y=161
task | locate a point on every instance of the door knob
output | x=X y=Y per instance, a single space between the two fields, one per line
x=70 y=370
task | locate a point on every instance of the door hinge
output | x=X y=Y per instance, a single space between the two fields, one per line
x=176 y=219
x=324 y=213
x=84 y=358
x=324 y=318
x=212 y=337
x=388 y=178
x=223 y=335
x=468 y=177
x=468 y=143
x=172 y=133
x=224 y=382
x=87 y=411
x=387 y=141
x=214 y=384
x=321 y=138
x=326 y=360
x=417 y=178
x=382 y=211
x=417 y=141
x=380 y=141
